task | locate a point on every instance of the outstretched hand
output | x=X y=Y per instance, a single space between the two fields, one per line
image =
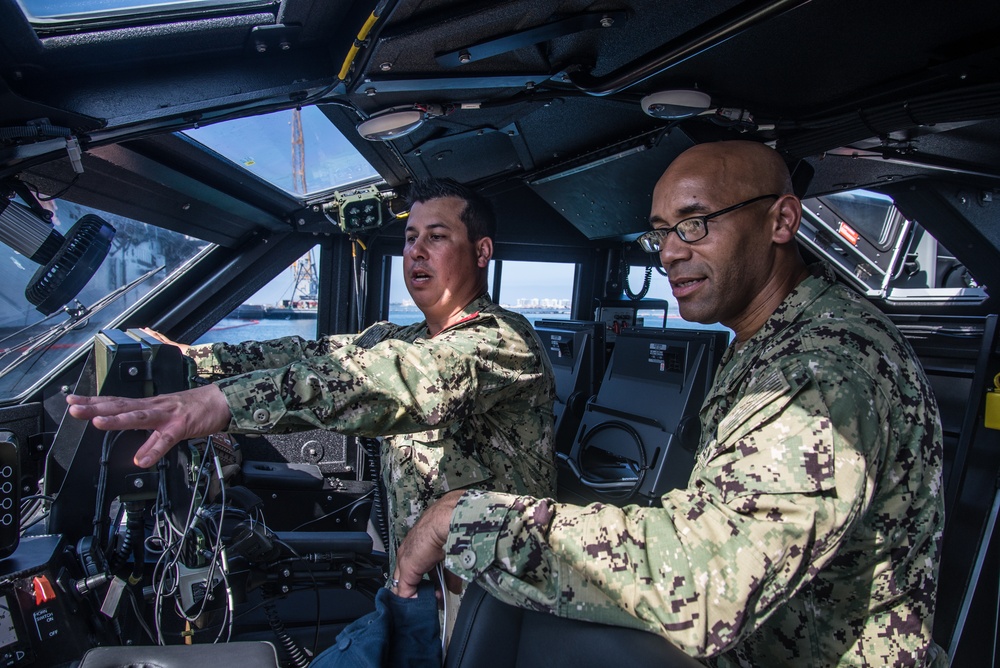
x=183 y=347
x=423 y=547
x=193 y=413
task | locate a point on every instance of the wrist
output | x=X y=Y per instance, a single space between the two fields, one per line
x=443 y=510
x=216 y=406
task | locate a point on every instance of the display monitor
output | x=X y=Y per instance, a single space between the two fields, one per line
x=577 y=352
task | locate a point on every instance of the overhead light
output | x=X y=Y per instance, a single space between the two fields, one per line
x=672 y=105
x=391 y=124
x=68 y=263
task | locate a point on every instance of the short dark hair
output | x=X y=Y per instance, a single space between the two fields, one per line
x=478 y=216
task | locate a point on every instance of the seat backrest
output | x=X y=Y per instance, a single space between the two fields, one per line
x=492 y=634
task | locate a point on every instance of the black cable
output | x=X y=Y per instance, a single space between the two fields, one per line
x=379 y=505
x=135 y=529
x=49 y=198
x=647 y=279
x=107 y=446
x=102 y=481
x=32 y=131
x=319 y=600
x=640 y=449
x=138 y=614
x=121 y=551
x=286 y=642
x=34 y=522
x=360 y=287
x=336 y=510
x=34 y=497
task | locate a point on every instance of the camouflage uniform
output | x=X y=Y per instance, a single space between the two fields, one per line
x=810 y=530
x=470 y=406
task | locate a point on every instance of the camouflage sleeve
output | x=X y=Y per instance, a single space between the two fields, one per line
x=764 y=511
x=394 y=387
x=228 y=359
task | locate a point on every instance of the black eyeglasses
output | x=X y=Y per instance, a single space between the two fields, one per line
x=690 y=229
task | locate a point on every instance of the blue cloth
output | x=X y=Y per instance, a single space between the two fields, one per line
x=400 y=633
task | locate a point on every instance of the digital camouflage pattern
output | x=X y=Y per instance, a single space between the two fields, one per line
x=471 y=406
x=809 y=533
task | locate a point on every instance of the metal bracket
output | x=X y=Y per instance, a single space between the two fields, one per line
x=273 y=39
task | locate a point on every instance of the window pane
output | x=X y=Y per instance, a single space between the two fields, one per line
x=32 y=345
x=402 y=310
x=125 y=12
x=882 y=253
x=268 y=146
x=659 y=288
x=869 y=213
x=535 y=289
x=284 y=307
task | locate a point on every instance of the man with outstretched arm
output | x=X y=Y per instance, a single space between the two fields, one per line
x=462 y=398
x=809 y=533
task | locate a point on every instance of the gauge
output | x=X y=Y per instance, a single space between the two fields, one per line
x=8 y=633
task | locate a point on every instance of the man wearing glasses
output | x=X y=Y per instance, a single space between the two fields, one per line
x=809 y=533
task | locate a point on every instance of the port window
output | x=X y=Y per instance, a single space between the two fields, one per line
x=74 y=16
x=286 y=306
x=537 y=289
x=299 y=151
x=884 y=254
x=534 y=289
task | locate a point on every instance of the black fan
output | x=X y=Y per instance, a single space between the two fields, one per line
x=67 y=263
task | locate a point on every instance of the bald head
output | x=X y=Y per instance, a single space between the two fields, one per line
x=741 y=169
x=747 y=260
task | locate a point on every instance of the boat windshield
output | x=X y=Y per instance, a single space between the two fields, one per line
x=297 y=150
x=33 y=345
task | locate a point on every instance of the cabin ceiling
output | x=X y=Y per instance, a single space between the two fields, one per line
x=519 y=92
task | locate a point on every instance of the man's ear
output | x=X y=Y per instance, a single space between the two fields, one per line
x=484 y=252
x=789 y=215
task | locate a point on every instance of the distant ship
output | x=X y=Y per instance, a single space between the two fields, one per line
x=302 y=306
x=289 y=309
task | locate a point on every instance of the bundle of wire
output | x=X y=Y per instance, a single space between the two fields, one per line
x=173 y=542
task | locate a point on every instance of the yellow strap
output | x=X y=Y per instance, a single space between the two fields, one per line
x=353 y=51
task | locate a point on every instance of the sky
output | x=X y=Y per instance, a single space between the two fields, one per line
x=263 y=145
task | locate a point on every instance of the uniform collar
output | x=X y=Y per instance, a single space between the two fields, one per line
x=821 y=278
x=470 y=312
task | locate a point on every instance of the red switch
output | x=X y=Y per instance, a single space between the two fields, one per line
x=43 y=589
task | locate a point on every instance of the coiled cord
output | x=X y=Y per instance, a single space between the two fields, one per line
x=290 y=647
x=647 y=278
x=379 y=510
